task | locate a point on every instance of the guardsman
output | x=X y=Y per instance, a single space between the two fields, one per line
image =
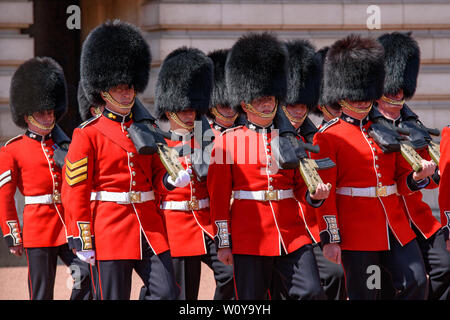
x=363 y=222
x=263 y=232
x=402 y=60
x=444 y=185
x=183 y=92
x=38 y=100
x=108 y=187
x=221 y=114
x=304 y=81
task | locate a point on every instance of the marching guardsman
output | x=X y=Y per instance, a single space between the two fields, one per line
x=27 y=162
x=221 y=114
x=402 y=60
x=183 y=92
x=304 y=81
x=444 y=185
x=263 y=232
x=108 y=187
x=363 y=222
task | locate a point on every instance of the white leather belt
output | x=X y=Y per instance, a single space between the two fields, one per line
x=123 y=197
x=370 y=192
x=264 y=195
x=185 y=205
x=44 y=199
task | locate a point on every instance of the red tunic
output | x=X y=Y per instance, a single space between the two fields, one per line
x=26 y=163
x=363 y=222
x=103 y=158
x=444 y=185
x=242 y=160
x=186 y=229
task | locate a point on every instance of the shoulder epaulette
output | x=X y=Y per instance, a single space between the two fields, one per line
x=84 y=124
x=329 y=124
x=230 y=129
x=12 y=139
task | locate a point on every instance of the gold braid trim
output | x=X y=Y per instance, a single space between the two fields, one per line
x=392 y=101
x=226 y=119
x=344 y=104
x=35 y=123
x=292 y=118
x=111 y=100
x=250 y=108
x=175 y=118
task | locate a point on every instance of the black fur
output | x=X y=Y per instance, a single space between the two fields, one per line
x=321 y=54
x=83 y=103
x=38 y=84
x=402 y=61
x=219 y=92
x=114 y=53
x=184 y=82
x=353 y=70
x=304 y=74
x=256 y=67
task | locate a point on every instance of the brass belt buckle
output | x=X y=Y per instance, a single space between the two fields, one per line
x=56 y=197
x=381 y=191
x=193 y=204
x=271 y=195
x=135 y=197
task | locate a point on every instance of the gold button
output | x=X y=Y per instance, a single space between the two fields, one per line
x=133 y=183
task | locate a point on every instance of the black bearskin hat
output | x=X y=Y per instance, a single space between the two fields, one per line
x=38 y=84
x=114 y=53
x=401 y=62
x=256 y=67
x=320 y=54
x=304 y=74
x=219 y=95
x=184 y=82
x=83 y=103
x=353 y=70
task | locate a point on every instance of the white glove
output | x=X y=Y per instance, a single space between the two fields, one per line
x=182 y=180
x=87 y=256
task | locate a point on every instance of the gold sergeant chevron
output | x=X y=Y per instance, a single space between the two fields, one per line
x=76 y=171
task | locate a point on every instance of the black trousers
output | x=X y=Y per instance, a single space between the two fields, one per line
x=437 y=264
x=332 y=279
x=332 y=276
x=404 y=265
x=297 y=272
x=156 y=272
x=188 y=270
x=42 y=264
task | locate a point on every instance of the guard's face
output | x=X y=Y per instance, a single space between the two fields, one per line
x=45 y=117
x=264 y=104
x=225 y=111
x=187 y=116
x=45 y=121
x=297 y=110
x=122 y=93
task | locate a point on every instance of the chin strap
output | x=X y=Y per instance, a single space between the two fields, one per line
x=225 y=119
x=326 y=112
x=250 y=108
x=392 y=101
x=344 y=104
x=117 y=104
x=175 y=118
x=292 y=118
x=35 y=123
